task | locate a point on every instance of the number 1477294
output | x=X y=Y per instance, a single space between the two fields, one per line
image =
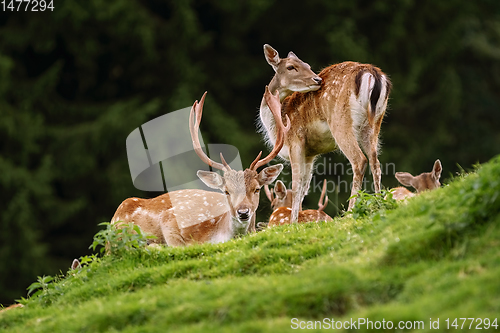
x=27 y=5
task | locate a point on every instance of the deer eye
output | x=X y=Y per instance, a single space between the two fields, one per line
x=290 y=68
x=257 y=190
x=226 y=192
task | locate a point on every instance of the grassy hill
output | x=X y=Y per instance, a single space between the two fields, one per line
x=435 y=258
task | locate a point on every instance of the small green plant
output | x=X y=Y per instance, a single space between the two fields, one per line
x=43 y=284
x=120 y=236
x=368 y=204
x=46 y=290
x=87 y=260
x=115 y=238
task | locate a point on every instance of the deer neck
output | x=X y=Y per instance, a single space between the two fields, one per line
x=274 y=86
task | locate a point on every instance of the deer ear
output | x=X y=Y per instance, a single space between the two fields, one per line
x=404 y=178
x=272 y=56
x=437 y=169
x=76 y=264
x=269 y=174
x=211 y=179
x=292 y=55
x=280 y=189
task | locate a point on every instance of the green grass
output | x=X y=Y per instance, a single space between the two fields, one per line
x=436 y=256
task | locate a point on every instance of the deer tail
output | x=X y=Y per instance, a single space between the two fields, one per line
x=373 y=87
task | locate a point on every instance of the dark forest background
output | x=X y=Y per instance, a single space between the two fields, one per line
x=76 y=81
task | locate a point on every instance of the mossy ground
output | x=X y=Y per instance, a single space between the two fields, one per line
x=437 y=256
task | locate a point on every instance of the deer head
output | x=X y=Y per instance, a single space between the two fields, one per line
x=424 y=181
x=282 y=207
x=240 y=187
x=279 y=196
x=293 y=73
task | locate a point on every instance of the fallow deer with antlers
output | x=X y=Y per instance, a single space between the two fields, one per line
x=423 y=182
x=281 y=203
x=343 y=106
x=185 y=217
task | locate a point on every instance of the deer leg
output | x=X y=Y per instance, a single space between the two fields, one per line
x=170 y=230
x=302 y=168
x=370 y=146
x=308 y=173
x=173 y=237
x=305 y=180
x=375 y=166
x=358 y=163
x=349 y=146
x=296 y=182
x=298 y=164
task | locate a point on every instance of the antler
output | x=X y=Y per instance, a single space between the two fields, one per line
x=274 y=104
x=196 y=112
x=322 y=204
x=269 y=193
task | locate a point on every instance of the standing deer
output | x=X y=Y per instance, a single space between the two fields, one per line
x=282 y=203
x=424 y=181
x=341 y=107
x=184 y=217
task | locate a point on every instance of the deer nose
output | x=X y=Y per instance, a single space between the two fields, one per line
x=244 y=213
x=318 y=80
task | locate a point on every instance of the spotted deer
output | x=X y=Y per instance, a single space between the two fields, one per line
x=341 y=107
x=190 y=216
x=282 y=210
x=279 y=196
x=13 y=306
x=423 y=182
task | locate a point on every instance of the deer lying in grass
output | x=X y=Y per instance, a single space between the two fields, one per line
x=341 y=107
x=279 y=196
x=195 y=216
x=281 y=203
x=13 y=306
x=424 y=181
